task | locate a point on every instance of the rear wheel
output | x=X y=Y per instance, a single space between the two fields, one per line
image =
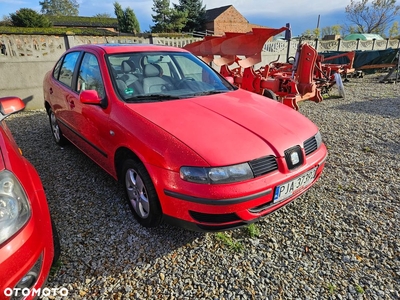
x=141 y=194
x=55 y=129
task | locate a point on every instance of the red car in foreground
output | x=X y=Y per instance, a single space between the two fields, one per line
x=189 y=147
x=28 y=239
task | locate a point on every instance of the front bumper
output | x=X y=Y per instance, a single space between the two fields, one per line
x=29 y=252
x=202 y=207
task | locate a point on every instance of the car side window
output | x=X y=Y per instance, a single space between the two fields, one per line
x=57 y=69
x=90 y=76
x=67 y=68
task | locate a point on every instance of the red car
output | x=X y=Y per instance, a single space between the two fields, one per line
x=28 y=240
x=190 y=148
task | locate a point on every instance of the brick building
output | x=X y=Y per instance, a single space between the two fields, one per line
x=227 y=19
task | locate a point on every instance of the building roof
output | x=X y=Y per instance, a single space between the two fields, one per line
x=212 y=14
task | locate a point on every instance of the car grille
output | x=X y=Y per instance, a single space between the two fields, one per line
x=310 y=145
x=263 y=165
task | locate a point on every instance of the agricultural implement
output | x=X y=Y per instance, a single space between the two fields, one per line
x=306 y=77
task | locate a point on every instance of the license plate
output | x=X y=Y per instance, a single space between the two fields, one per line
x=289 y=188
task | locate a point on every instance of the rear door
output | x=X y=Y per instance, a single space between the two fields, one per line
x=61 y=90
x=91 y=122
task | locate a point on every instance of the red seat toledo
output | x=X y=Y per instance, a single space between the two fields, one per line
x=189 y=147
x=28 y=241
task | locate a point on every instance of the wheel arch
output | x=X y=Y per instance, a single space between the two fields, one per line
x=47 y=105
x=120 y=156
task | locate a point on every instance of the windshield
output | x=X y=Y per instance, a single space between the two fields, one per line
x=162 y=76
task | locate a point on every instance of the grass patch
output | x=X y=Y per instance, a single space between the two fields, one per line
x=229 y=242
x=359 y=289
x=253 y=230
x=331 y=288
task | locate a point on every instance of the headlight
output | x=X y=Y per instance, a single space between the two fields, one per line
x=217 y=175
x=14 y=206
x=318 y=138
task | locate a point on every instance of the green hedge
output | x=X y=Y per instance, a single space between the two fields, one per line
x=56 y=31
x=75 y=21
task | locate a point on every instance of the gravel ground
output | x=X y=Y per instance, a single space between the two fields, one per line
x=338 y=241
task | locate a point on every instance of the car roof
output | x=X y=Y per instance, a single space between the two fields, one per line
x=124 y=48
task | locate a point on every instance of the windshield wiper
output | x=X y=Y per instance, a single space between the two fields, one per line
x=210 y=93
x=152 y=97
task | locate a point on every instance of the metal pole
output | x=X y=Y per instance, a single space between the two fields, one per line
x=288 y=50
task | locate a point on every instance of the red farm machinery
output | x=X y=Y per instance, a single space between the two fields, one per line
x=304 y=77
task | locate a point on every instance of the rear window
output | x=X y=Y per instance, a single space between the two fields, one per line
x=68 y=67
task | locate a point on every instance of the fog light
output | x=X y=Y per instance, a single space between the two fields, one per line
x=27 y=281
x=30 y=278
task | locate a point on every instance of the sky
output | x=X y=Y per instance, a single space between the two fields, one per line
x=301 y=14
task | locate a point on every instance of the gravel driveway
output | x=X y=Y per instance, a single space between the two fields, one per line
x=339 y=241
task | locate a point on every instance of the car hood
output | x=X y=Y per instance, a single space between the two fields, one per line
x=230 y=128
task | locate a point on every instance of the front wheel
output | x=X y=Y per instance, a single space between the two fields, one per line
x=55 y=129
x=141 y=194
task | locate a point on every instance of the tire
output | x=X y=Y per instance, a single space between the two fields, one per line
x=270 y=94
x=56 y=243
x=55 y=129
x=141 y=194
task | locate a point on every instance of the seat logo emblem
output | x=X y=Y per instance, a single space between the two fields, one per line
x=294 y=157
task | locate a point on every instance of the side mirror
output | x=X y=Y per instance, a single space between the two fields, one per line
x=10 y=105
x=90 y=97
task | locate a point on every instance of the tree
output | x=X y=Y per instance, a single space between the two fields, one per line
x=132 y=23
x=196 y=14
x=167 y=19
x=331 y=30
x=394 y=30
x=374 y=17
x=317 y=33
x=26 y=17
x=127 y=21
x=161 y=17
x=60 y=7
x=178 y=20
x=119 y=12
x=308 y=35
x=6 y=21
